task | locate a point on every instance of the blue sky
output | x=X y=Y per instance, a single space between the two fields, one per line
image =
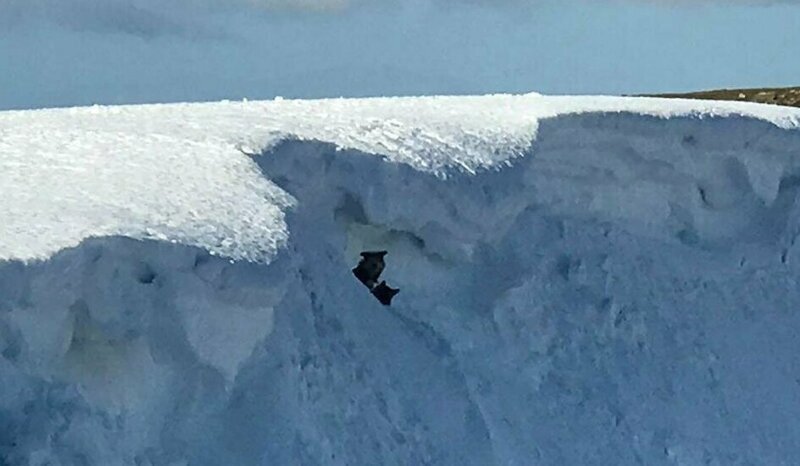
x=80 y=52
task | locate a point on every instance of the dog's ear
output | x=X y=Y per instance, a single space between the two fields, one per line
x=378 y=254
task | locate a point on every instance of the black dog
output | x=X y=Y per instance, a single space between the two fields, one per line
x=369 y=270
x=370 y=267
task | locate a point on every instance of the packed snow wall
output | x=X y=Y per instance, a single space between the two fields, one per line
x=621 y=291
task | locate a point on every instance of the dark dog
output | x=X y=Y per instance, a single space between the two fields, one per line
x=369 y=270
x=370 y=267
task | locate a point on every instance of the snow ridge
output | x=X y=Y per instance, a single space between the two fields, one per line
x=181 y=173
x=584 y=281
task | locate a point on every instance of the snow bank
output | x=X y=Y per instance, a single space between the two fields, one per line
x=179 y=172
x=584 y=281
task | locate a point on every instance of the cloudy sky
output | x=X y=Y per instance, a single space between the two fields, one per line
x=80 y=52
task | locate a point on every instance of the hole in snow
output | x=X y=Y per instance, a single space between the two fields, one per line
x=351 y=210
x=145 y=274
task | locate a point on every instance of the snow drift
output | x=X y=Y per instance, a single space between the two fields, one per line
x=584 y=281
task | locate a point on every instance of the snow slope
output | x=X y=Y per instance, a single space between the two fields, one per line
x=585 y=280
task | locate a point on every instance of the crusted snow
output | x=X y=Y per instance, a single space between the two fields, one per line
x=585 y=280
x=182 y=172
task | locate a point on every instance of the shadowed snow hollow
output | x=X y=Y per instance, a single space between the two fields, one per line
x=584 y=281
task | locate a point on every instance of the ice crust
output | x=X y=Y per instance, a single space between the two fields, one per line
x=585 y=280
x=180 y=172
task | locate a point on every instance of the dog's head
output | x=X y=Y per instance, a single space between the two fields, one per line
x=372 y=262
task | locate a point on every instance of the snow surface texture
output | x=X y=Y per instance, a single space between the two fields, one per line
x=584 y=281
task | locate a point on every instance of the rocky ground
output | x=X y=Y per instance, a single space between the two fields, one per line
x=789 y=96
